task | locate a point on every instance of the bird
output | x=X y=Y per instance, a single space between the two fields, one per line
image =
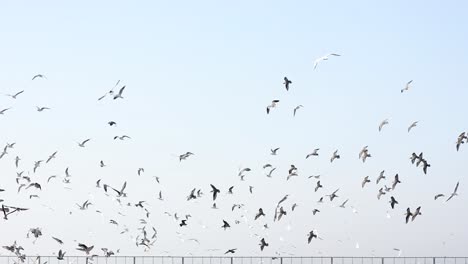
x=314 y=153
x=333 y=195
x=407 y=86
x=381 y=176
x=414 y=124
x=274 y=151
x=15 y=95
x=344 y=203
x=416 y=213
x=283 y=200
x=225 y=225
x=270 y=172
x=38 y=76
x=315 y=211
x=425 y=166
x=119 y=95
x=461 y=140
x=231 y=251
x=437 y=196
x=140 y=170
x=61 y=255
x=263 y=244
x=311 y=236
x=408 y=214
x=382 y=124
x=51 y=157
x=286 y=83
x=123 y=137
x=366 y=180
x=393 y=201
x=185 y=155
x=324 y=58
x=42 y=108
x=454 y=192
x=334 y=156
x=82 y=144
x=58 y=240
x=251 y=189
x=183 y=223
x=2 y=112
x=215 y=191
x=101 y=164
x=272 y=105
x=318 y=186
x=112 y=123
x=260 y=213
x=121 y=192
x=395 y=181
x=297 y=108
x=381 y=192
x=84 y=248
x=364 y=154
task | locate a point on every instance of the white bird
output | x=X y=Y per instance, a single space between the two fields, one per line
x=272 y=105
x=4 y=110
x=82 y=144
x=324 y=58
x=42 y=108
x=119 y=95
x=383 y=123
x=297 y=108
x=15 y=95
x=407 y=86
x=39 y=76
x=314 y=153
x=414 y=124
x=454 y=192
x=334 y=156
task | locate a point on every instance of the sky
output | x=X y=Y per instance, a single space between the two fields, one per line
x=198 y=76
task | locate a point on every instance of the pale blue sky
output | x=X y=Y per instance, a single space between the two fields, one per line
x=199 y=75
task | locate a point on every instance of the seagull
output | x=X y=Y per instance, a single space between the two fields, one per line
x=454 y=192
x=42 y=108
x=4 y=110
x=232 y=251
x=140 y=170
x=414 y=124
x=381 y=192
x=364 y=154
x=274 y=151
x=324 y=58
x=425 y=166
x=15 y=95
x=383 y=123
x=438 y=196
x=112 y=123
x=160 y=196
x=297 y=108
x=17 y=159
x=121 y=137
x=273 y=105
x=121 y=192
x=185 y=155
x=84 y=248
x=416 y=213
x=111 y=92
x=407 y=86
x=311 y=235
x=314 y=153
x=393 y=201
x=51 y=157
x=101 y=164
x=396 y=181
x=61 y=254
x=58 y=240
x=82 y=144
x=263 y=244
x=225 y=225
x=333 y=195
x=343 y=204
x=286 y=83
x=36 y=165
x=269 y=173
x=318 y=186
x=381 y=176
x=260 y=213
x=85 y=205
x=334 y=156
x=38 y=76
x=461 y=139
x=408 y=214
x=119 y=95
x=366 y=180
x=215 y=191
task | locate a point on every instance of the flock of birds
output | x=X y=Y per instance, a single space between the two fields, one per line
x=146 y=235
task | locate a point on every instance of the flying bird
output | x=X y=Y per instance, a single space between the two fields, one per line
x=286 y=83
x=414 y=124
x=324 y=58
x=215 y=191
x=454 y=192
x=382 y=124
x=393 y=201
x=38 y=76
x=263 y=244
x=366 y=180
x=82 y=144
x=272 y=105
x=15 y=95
x=334 y=156
x=314 y=153
x=297 y=108
x=119 y=95
x=407 y=86
x=42 y=108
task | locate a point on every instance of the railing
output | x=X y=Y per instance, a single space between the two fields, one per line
x=232 y=260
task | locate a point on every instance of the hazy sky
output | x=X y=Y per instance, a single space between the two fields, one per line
x=199 y=75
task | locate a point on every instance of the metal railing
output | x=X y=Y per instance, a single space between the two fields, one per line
x=231 y=260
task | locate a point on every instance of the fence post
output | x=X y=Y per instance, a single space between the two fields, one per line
x=281 y=260
x=331 y=260
x=134 y=260
x=433 y=260
x=183 y=260
x=232 y=260
x=382 y=261
x=86 y=260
